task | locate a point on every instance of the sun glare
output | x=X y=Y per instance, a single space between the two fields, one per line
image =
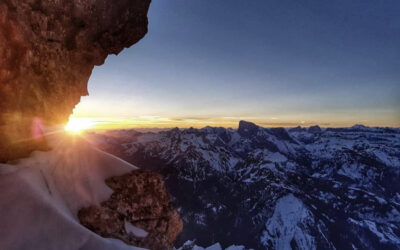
x=77 y=125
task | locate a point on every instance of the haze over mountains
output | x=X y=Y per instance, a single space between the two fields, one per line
x=275 y=188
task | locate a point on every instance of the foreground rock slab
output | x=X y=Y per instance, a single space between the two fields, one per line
x=139 y=212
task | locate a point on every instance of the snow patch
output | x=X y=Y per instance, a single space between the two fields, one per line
x=138 y=232
x=288 y=223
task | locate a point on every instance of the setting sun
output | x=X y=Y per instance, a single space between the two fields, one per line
x=77 y=125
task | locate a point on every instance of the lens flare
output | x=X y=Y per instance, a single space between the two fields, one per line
x=77 y=125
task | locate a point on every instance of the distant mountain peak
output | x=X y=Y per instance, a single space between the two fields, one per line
x=247 y=128
x=314 y=129
x=359 y=126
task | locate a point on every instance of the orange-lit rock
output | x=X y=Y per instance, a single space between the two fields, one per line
x=47 y=52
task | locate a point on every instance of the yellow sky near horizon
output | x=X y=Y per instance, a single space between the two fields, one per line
x=152 y=122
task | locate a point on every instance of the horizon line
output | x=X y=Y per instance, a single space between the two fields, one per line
x=132 y=124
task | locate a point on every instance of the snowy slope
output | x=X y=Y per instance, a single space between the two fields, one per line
x=41 y=195
x=287 y=225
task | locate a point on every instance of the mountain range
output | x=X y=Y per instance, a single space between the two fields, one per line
x=274 y=188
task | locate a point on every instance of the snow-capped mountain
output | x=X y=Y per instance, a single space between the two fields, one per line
x=275 y=188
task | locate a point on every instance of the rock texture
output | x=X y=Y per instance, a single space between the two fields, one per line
x=139 y=198
x=47 y=52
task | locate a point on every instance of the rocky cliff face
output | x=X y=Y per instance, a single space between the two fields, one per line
x=47 y=52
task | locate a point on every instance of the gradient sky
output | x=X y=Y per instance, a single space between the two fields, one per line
x=276 y=63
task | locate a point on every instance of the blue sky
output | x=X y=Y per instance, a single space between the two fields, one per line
x=282 y=62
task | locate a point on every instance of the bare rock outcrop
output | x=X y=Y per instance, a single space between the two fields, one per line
x=141 y=200
x=47 y=52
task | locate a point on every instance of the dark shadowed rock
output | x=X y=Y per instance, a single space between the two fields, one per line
x=314 y=129
x=247 y=129
x=47 y=52
x=281 y=134
x=297 y=129
x=139 y=198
